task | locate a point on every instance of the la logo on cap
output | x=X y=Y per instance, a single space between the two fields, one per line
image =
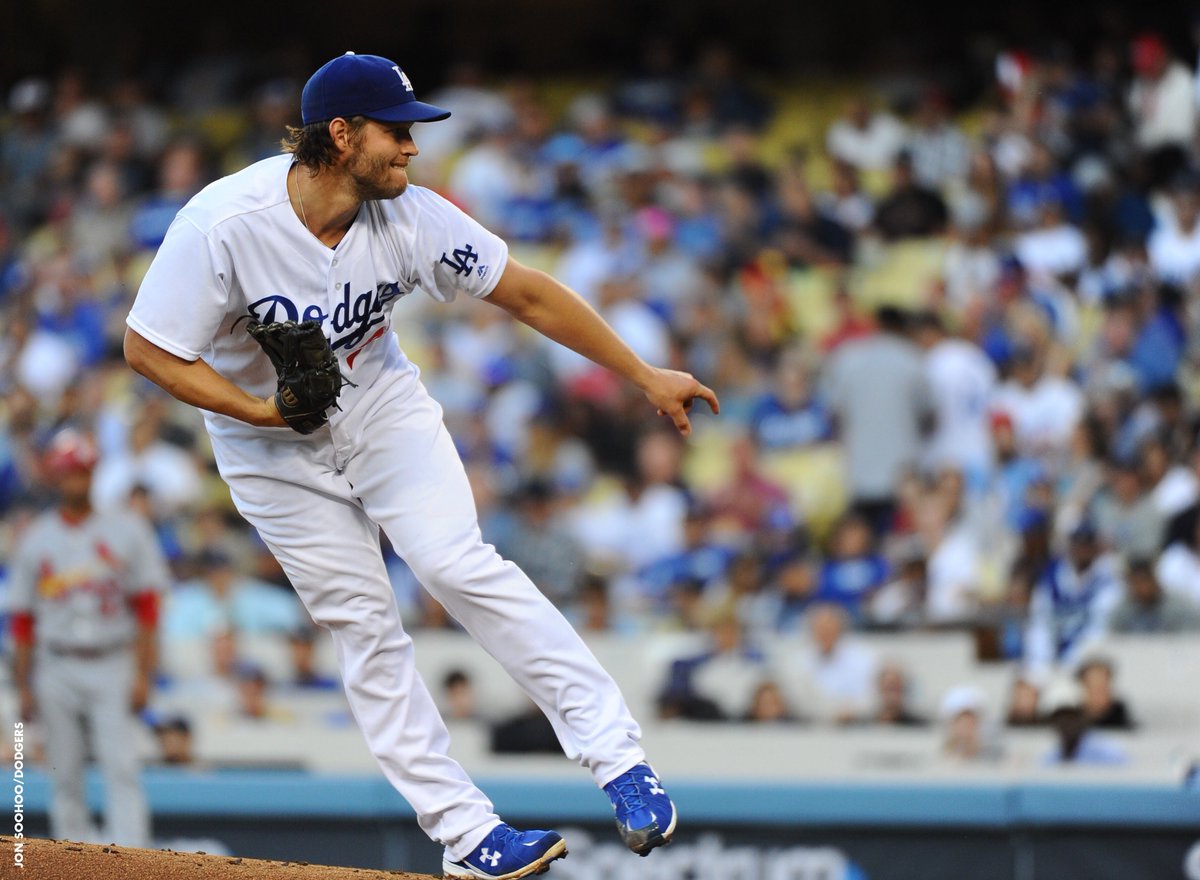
x=364 y=85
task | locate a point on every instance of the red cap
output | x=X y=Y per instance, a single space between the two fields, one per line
x=1147 y=52
x=70 y=450
x=1000 y=419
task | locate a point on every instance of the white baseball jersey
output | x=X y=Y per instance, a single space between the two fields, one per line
x=962 y=381
x=384 y=462
x=237 y=249
x=77 y=578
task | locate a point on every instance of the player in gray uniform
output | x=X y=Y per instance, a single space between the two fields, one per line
x=334 y=234
x=84 y=593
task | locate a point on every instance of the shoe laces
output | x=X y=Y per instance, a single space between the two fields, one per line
x=630 y=792
x=506 y=836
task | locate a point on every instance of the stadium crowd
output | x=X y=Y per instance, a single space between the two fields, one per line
x=957 y=349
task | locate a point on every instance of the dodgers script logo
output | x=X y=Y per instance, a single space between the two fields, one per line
x=352 y=318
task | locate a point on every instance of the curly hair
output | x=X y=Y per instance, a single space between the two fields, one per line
x=311 y=144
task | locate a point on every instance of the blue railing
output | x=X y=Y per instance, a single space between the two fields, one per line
x=184 y=794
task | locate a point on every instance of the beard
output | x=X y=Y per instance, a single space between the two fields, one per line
x=372 y=177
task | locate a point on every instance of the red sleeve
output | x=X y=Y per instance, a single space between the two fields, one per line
x=22 y=627
x=145 y=608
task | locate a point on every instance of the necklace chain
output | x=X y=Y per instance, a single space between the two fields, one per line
x=300 y=198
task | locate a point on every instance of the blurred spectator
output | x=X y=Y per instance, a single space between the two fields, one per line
x=477 y=109
x=939 y=150
x=27 y=149
x=1147 y=608
x=734 y=101
x=688 y=611
x=276 y=105
x=1178 y=569
x=840 y=671
x=1045 y=407
x=612 y=525
x=1126 y=517
x=845 y=201
x=953 y=567
x=900 y=602
x=1041 y=182
x=967 y=737
x=1023 y=703
x=1162 y=99
x=1102 y=708
x=99 y=226
x=792 y=580
x=529 y=731
x=892 y=698
x=702 y=558
x=167 y=471
x=181 y=174
x=222 y=596
x=979 y=207
x=145 y=122
x=1174 y=486
x=593 y=610
x=540 y=546
x=718 y=683
x=806 y=236
x=848 y=322
x=1063 y=705
x=653 y=91
x=82 y=119
x=909 y=209
x=214 y=689
x=1016 y=476
x=1174 y=245
x=854 y=569
x=302 y=647
x=1053 y=246
x=745 y=591
x=865 y=140
x=254 y=698
x=670 y=278
x=961 y=381
x=877 y=388
x=485 y=179
x=769 y=706
x=458 y=697
x=1072 y=602
x=175 y=744
x=750 y=500
x=791 y=415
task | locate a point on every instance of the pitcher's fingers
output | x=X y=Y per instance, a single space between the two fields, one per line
x=679 y=417
x=709 y=396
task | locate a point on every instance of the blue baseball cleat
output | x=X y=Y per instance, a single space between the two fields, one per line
x=506 y=854
x=645 y=815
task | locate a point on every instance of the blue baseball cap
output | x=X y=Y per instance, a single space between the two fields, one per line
x=363 y=85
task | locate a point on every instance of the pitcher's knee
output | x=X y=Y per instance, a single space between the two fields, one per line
x=450 y=569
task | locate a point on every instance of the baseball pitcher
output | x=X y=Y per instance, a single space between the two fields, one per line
x=269 y=306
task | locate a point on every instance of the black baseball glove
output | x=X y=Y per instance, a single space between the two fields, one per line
x=309 y=377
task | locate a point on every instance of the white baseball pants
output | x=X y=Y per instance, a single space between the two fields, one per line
x=391 y=462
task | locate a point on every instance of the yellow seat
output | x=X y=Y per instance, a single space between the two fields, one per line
x=809 y=294
x=814 y=478
x=905 y=274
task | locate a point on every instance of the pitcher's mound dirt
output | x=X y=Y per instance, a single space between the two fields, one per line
x=62 y=860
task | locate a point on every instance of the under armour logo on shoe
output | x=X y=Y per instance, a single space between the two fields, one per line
x=486 y=855
x=654 y=789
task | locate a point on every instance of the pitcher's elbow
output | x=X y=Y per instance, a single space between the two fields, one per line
x=134 y=350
